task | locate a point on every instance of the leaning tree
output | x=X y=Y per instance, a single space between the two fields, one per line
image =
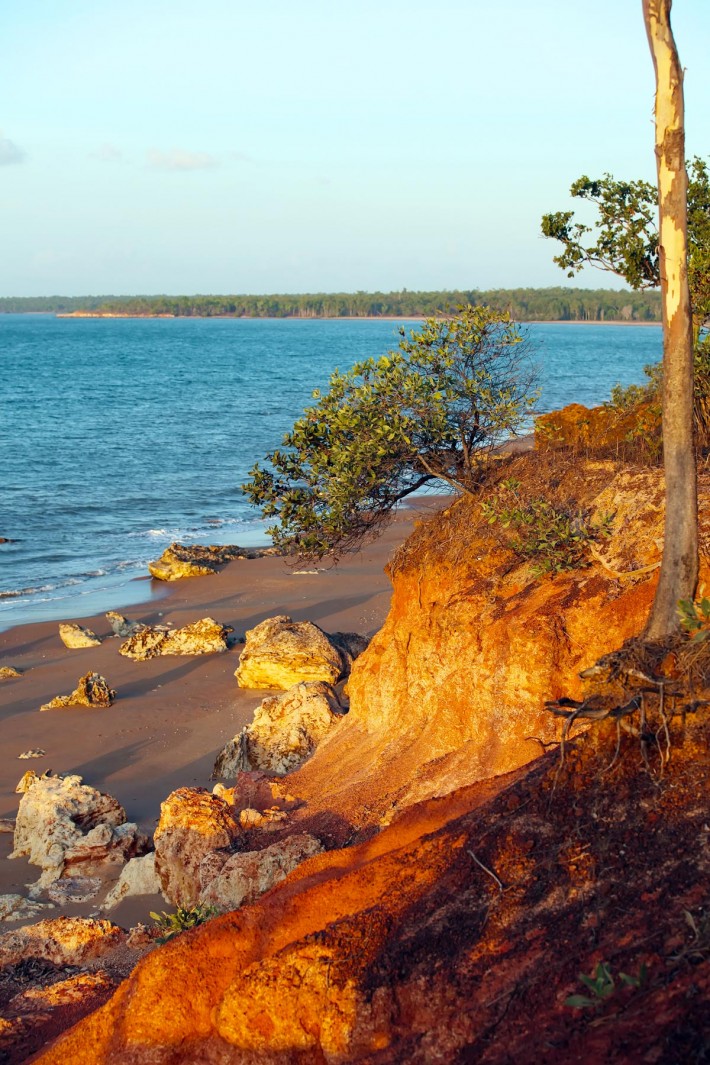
x=428 y=412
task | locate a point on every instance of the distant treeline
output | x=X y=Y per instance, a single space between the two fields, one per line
x=524 y=304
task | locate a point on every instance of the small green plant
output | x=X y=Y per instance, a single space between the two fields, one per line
x=184 y=918
x=695 y=618
x=553 y=538
x=601 y=985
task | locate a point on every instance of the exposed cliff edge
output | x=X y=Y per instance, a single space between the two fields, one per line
x=452 y=688
x=456 y=932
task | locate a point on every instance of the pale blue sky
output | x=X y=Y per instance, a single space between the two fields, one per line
x=225 y=146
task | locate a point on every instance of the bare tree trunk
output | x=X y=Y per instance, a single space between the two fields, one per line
x=679 y=568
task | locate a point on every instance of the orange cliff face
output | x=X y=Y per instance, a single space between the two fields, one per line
x=454 y=935
x=452 y=688
x=456 y=932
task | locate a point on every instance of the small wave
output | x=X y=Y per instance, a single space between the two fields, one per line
x=17 y=592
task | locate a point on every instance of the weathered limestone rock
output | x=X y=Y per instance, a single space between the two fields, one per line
x=74 y=889
x=75 y=636
x=28 y=779
x=138 y=877
x=203 y=637
x=92 y=690
x=192 y=824
x=63 y=940
x=285 y=731
x=122 y=626
x=61 y=822
x=182 y=560
x=280 y=653
x=18 y=908
x=9 y=672
x=243 y=877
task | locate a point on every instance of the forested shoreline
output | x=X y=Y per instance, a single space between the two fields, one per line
x=556 y=304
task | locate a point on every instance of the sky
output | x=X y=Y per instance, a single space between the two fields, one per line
x=226 y=146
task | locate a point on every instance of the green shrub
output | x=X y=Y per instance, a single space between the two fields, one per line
x=553 y=538
x=184 y=918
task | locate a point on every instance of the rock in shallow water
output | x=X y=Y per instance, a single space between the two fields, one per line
x=182 y=560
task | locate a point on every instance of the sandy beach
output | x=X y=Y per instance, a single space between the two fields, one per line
x=172 y=714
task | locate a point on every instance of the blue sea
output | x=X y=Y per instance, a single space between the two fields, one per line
x=121 y=435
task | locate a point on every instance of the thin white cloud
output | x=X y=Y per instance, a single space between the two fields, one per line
x=10 y=153
x=180 y=160
x=107 y=153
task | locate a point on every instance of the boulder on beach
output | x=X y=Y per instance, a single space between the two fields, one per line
x=62 y=940
x=138 y=877
x=193 y=824
x=280 y=653
x=285 y=731
x=9 y=672
x=92 y=690
x=63 y=822
x=76 y=636
x=243 y=877
x=196 y=560
x=204 y=637
x=74 y=889
x=123 y=627
x=18 y=908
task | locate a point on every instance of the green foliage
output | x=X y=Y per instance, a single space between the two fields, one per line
x=555 y=539
x=695 y=618
x=428 y=411
x=172 y=924
x=624 y=237
x=524 y=304
x=601 y=985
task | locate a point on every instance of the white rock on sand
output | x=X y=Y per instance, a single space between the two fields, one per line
x=62 y=821
x=138 y=877
x=76 y=636
x=18 y=908
x=204 y=637
x=285 y=731
x=281 y=652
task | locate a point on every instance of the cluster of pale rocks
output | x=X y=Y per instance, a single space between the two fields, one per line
x=216 y=848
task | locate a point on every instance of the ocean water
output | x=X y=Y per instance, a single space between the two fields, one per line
x=118 y=436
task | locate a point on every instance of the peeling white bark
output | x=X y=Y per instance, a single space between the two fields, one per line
x=679 y=567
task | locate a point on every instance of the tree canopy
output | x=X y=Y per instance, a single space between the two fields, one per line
x=555 y=304
x=623 y=238
x=429 y=411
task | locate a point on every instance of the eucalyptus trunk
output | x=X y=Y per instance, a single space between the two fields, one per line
x=679 y=567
